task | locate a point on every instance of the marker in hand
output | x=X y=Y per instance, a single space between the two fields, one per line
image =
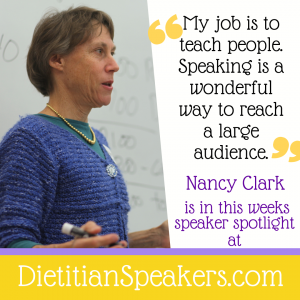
x=79 y=233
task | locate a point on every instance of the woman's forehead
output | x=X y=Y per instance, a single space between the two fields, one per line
x=101 y=37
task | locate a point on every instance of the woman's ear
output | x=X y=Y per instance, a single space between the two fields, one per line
x=56 y=62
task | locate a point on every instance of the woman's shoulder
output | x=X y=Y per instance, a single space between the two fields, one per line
x=27 y=138
x=28 y=127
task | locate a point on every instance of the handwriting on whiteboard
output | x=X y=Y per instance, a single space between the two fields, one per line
x=9 y=48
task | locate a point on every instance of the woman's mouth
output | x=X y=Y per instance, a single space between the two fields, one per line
x=108 y=85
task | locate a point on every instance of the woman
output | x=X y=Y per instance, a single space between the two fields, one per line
x=54 y=168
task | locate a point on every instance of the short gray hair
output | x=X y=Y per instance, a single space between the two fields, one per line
x=59 y=33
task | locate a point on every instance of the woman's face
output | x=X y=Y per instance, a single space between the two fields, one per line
x=89 y=70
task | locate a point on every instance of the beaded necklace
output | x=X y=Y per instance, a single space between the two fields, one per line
x=79 y=132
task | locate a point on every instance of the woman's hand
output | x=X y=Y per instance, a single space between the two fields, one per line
x=92 y=242
x=164 y=235
x=157 y=237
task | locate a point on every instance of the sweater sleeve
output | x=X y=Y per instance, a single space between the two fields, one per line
x=28 y=179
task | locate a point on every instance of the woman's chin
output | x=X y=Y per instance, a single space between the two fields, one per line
x=102 y=102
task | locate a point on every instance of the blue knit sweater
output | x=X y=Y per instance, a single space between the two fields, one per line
x=49 y=177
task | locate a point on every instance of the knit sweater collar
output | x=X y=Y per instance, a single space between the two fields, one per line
x=72 y=136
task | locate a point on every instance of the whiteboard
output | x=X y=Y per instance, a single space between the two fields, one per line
x=129 y=123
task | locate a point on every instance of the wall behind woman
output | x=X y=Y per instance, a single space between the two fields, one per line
x=129 y=123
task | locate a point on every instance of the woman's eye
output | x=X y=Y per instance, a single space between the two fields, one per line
x=99 y=50
x=113 y=53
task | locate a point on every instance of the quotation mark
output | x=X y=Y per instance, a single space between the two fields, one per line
x=281 y=144
x=157 y=36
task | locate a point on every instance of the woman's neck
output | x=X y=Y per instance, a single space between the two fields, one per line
x=67 y=108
